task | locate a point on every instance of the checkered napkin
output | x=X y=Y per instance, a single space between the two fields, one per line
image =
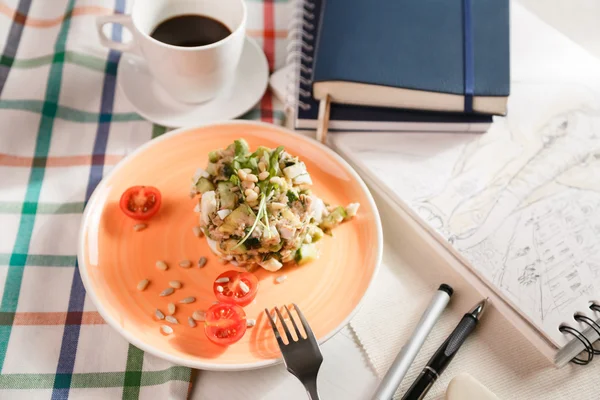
x=64 y=126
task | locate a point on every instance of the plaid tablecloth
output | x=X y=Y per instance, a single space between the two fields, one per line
x=65 y=124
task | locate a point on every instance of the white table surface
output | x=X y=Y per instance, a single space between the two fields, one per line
x=345 y=373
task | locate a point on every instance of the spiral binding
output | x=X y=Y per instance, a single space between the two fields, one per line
x=589 y=347
x=300 y=54
x=592 y=324
x=581 y=337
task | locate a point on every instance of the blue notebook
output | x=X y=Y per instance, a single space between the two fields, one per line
x=352 y=117
x=416 y=54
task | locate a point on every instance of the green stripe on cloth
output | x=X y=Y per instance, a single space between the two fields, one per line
x=93 y=380
x=71 y=57
x=51 y=108
x=74 y=115
x=133 y=373
x=158 y=130
x=176 y=373
x=40 y=260
x=256 y=113
x=42 y=208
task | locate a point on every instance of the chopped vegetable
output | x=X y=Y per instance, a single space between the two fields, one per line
x=140 y=202
x=237 y=287
x=240 y=216
x=258 y=209
x=351 y=210
x=295 y=170
x=213 y=156
x=334 y=218
x=306 y=253
x=292 y=196
x=225 y=324
x=204 y=185
x=271 y=264
x=223 y=213
x=227 y=198
x=208 y=205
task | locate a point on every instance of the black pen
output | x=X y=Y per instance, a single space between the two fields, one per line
x=442 y=357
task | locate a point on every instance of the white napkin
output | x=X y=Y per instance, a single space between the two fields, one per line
x=496 y=354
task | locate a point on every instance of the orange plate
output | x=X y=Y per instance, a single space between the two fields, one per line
x=113 y=258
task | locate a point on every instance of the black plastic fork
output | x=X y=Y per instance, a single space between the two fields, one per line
x=302 y=357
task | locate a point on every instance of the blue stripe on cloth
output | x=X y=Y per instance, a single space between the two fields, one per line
x=12 y=41
x=469 y=58
x=68 y=350
x=70 y=340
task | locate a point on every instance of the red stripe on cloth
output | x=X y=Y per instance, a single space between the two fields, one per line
x=56 y=318
x=266 y=104
x=47 y=23
x=277 y=34
x=8 y=160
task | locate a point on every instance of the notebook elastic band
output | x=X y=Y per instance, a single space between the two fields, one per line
x=469 y=60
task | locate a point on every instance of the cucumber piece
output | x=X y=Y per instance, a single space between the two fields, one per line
x=230 y=246
x=213 y=156
x=271 y=264
x=211 y=169
x=241 y=147
x=334 y=218
x=317 y=234
x=306 y=253
x=226 y=196
x=275 y=248
x=239 y=216
x=204 y=185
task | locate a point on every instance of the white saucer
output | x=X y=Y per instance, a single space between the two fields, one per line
x=152 y=102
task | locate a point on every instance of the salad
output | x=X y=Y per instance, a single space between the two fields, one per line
x=258 y=208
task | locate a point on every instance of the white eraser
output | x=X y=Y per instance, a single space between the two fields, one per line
x=465 y=387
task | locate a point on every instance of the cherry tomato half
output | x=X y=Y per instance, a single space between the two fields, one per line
x=140 y=202
x=236 y=287
x=225 y=324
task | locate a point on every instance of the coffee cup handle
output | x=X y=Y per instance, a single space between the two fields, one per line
x=121 y=19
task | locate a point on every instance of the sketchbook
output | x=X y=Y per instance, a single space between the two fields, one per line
x=519 y=206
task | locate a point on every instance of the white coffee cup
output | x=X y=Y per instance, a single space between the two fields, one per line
x=188 y=74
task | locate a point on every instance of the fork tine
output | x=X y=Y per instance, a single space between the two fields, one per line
x=275 y=330
x=309 y=333
x=293 y=323
x=288 y=335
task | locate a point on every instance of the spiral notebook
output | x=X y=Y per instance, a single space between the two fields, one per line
x=518 y=208
x=304 y=109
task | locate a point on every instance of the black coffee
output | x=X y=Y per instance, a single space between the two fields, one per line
x=190 y=31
